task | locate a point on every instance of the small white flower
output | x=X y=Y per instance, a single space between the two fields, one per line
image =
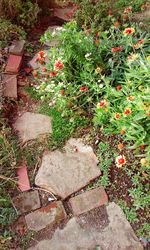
x=101 y=86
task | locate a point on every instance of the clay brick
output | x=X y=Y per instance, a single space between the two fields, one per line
x=45 y=216
x=23 y=179
x=10 y=86
x=88 y=200
x=13 y=64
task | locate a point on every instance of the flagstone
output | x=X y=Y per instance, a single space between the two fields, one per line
x=31 y=125
x=64 y=173
x=17 y=47
x=10 y=85
x=86 y=233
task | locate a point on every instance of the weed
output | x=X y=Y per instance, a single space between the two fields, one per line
x=129 y=212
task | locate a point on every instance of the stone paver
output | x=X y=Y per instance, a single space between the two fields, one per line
x=27 y=201
x=10 y=85
x=116 y=234
x=45 y=216
x=13 y=64
x=88 y=200
x=31 y=125
x=17 y=48
x=23 y=179
x=66 y=173
x=65 y=13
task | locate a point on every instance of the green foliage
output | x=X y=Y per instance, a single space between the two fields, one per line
x=135 y=4
x=144 y=231
x=129 y=212
x=9 y=31
x=105 y=154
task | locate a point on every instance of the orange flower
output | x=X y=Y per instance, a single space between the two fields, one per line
x=119 y=87
x=120 y=161
x=102 y=103
x=128 y=31
x=122 y=132
x=142 y=147
x=58 y=65
x=41 y=54
x=117 y=116
x=127 y=111
x=53 y=74
x=62 y=91
x=128 y=10
x=120 y=146
x=117 y=49
x=35 y=73
x=138 y=44
x=130 y=98
x=143 y=161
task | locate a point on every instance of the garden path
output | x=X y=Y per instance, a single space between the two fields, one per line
x=73 y=217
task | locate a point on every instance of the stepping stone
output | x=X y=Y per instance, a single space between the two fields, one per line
x=54 y=31
x=85 y=234
x=31 y=125
x=10 y=86
x=88 y=200
x=27 y=202
x=17 y=48
x=23 y=179
x=13 y=64
x=45 y=216
x=65 y=173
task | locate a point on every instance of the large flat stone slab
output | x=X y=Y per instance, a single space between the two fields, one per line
x=31 y=125
x=66 y=173
x=27 y=202
x=81 y=233
x=45 y=216
x=88 y=200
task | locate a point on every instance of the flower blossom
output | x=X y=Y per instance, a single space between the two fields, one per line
x=127 y=111
x=130 y=98
x=138 y=44
x=53 y=74
x=58 y=65
x=103 y=103
x=117 y=49
x=132 y=57
x=84 y=89
x=117 y=116
x=120 y=146
x=128 y=31
x=128 y=10
x=119 y=87
x=120 y=161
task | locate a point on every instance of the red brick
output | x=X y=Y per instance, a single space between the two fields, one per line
x=88 y=200
x=45 y=216
x=10 y=86
x=23 y=179
x=13 y=64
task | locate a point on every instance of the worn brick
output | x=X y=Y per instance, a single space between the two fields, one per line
x=13 y=64
x=27 y=202
x=23 y=179
x=88 y=200
x=10 y=85
x=45 y=216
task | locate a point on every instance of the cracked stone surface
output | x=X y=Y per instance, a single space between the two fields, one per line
x=80 y=233
x=31 y=125
x=64 y=173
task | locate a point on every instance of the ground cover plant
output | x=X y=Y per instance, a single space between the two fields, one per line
x=105 y=74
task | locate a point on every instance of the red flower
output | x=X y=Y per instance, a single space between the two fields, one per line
x=117 y=116
x=35 y=73
x=41 y=54
x=84 y=89
x=140 y=42
x=102 y=104
x=127 y=111
x=122 y=132
x=53 y=74
x=117 y=49
x=119 y=87
x=58 y=65
x=120 y=161
x=128 y=31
